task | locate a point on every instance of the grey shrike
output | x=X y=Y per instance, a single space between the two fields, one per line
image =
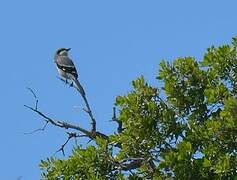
x=67 y=69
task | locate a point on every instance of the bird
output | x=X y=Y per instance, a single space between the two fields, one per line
x=67 y=69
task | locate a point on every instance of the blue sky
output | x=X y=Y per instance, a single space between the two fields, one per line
x=113 y=42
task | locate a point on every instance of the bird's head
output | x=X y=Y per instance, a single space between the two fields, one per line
x=63 y=51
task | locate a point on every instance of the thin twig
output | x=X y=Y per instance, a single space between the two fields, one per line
x=31 y=90
x=36 y=99
x=114 y=118
x=70 y=135
x=129 y=164
x=40 y=129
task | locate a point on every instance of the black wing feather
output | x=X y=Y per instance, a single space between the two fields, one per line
x=69 y=68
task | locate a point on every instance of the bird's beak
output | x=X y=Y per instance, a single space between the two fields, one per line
x=68 y=49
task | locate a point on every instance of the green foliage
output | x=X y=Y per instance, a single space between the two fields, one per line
x=90 y=163
x=184 y=130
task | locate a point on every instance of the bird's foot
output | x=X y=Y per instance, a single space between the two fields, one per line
x=71 y=85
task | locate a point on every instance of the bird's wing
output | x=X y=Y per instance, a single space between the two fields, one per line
x=65 y=64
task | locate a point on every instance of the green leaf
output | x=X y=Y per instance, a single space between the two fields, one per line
x=206 y=163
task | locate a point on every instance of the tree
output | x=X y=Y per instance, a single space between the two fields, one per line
x=186 y=129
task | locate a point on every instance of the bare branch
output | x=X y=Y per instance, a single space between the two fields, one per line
x=31 y=90
x=131 y=159
x=70 y=135
x=65 y=125
x=152 y=165
x=62 y=147
x=40 y=129
x=46 y=118
x=129 y=164
x=114 y=118
x=133 y=165
x=114 y=114
x=36 y=99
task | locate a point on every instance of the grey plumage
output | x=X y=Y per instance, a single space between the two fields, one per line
x=67 y=69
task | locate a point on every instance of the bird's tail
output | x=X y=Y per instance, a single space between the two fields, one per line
x=78 y=86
